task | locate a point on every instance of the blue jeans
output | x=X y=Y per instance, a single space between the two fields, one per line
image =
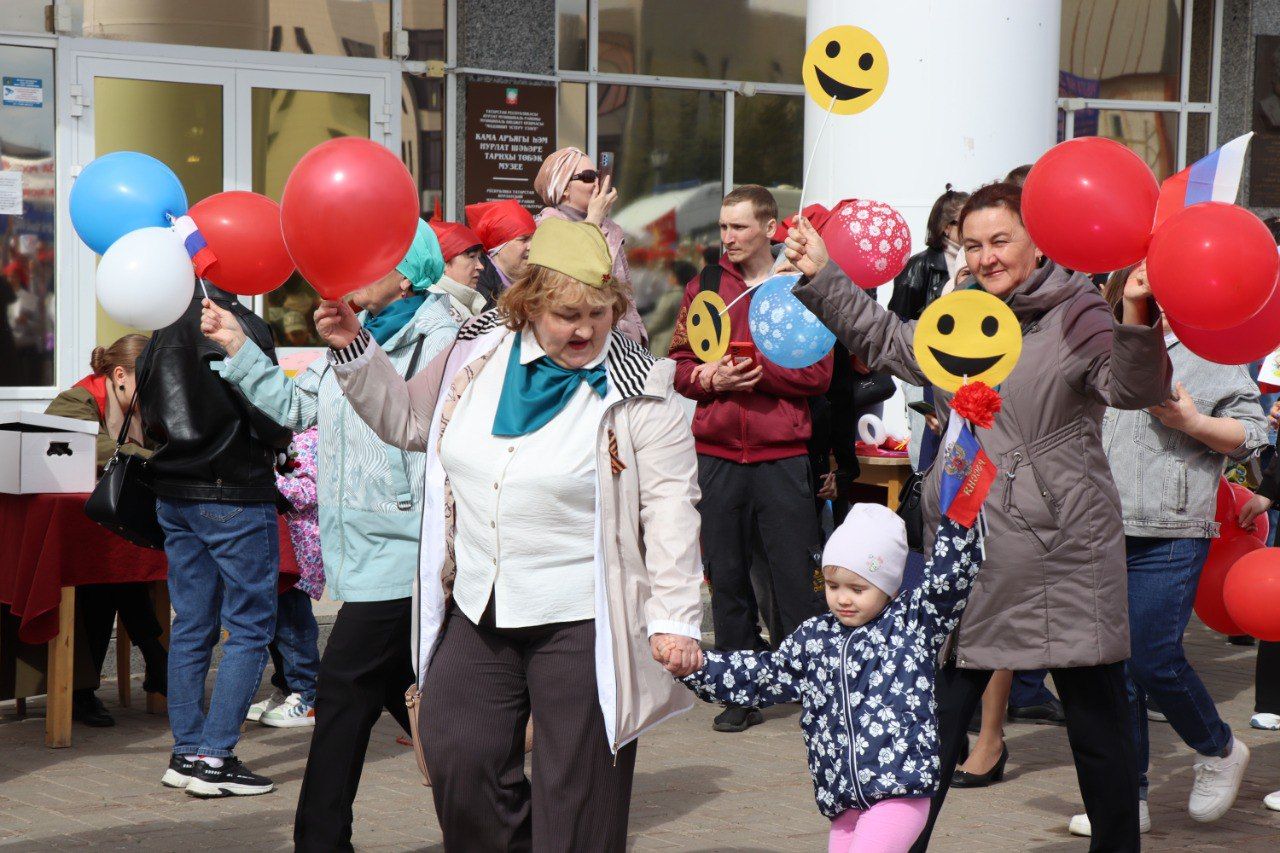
x=1163 y=575
x=223 y=562
x=297 y=640
x=1028 y=689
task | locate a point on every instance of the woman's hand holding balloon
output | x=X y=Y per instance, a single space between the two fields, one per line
x=336 y=323
x=221 y=326
x=805 y=248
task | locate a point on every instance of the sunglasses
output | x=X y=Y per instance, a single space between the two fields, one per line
x=587 y=176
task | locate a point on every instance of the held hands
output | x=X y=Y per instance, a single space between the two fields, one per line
x=1179 y=411
x=805 y=248
x=1256 y=506
x=679 y=655
x=603 y=195
x=336 y=323
x=221 y=326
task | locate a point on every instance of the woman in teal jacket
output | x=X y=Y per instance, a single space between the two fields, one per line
x=370 y=502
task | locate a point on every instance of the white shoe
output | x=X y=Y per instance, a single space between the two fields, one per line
x=1272 y=801
x=289 y=713
x=257 y=709
x=1268 y=722
x=1080 y=823
x=1217 y=782
x=1156 y=716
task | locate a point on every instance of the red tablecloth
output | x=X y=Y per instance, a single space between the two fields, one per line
x=47 y=542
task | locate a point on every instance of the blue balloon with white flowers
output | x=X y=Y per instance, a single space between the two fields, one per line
x=785 y=332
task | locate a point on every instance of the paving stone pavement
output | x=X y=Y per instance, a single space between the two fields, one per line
x=694 y=789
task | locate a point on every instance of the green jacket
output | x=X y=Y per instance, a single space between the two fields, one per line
x=79 y=404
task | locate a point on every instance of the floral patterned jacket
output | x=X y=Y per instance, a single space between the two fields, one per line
x=298 y=485
x=867 y=692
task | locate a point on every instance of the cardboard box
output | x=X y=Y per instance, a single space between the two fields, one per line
x=43 y=453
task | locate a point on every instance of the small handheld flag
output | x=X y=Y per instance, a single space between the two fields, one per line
x=967 y=474
x=1215 y=177
x=202 y=257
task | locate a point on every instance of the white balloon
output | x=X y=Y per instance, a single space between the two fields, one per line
x=145 y=279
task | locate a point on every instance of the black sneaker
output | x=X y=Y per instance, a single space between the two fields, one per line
x=179 y=773
x=1046 y=714
x=232 y=779
x=736 y=719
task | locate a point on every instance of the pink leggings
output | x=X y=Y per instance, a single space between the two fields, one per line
x=889 y=826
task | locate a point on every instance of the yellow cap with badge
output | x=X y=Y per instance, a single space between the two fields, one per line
x=577 y=249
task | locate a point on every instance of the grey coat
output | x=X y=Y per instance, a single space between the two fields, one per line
x=1052 y=591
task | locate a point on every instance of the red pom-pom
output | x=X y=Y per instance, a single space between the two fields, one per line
x=977 y=403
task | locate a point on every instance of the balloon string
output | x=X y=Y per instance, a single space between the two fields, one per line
x=804 y=185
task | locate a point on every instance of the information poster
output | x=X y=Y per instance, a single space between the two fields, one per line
x=510 y=130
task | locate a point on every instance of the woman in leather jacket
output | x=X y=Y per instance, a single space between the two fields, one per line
x=927 y=273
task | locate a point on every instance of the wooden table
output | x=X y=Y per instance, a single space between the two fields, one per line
x=888 y=472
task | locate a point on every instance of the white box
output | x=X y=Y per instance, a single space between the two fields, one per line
x=45 y=453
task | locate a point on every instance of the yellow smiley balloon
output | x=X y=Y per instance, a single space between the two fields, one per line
x=967 y=334
x=848 y=64
x=708 y=326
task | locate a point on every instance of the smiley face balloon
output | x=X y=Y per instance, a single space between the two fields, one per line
x=969 y=335
x=846 y=64
x=708 y=326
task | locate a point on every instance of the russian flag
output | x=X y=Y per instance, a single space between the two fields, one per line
x=1215 y=177
x=202 y=257
x=967 y=473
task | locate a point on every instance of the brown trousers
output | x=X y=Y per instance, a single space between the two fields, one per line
x=480 y=689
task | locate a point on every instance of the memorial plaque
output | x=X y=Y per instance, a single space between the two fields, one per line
x=510 y=130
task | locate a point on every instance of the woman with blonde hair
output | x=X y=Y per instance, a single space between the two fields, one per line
x=105 y=395
x=559 y=552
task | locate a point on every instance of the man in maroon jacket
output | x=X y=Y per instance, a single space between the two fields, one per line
x=751 y=428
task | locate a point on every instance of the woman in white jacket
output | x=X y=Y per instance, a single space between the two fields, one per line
x=559 y=548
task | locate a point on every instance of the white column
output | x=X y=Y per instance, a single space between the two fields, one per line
x=972 y=93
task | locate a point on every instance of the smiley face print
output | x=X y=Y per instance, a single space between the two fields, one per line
x=848 y=64
x=708 y=326
x=969 y=335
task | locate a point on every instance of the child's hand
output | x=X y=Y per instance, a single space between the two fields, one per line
x=679 y=655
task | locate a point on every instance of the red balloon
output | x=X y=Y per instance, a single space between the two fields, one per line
x=243 y=231
x=1209 y=606
x=349 y=213
x=1088 y=204
x=1231 y=499
x=1212 y=266
x=1252 y=594
x=1251 y=341
x=867 y=239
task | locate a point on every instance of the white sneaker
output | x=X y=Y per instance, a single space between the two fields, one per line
x=257 y=709
x=1156 y=716
x=1268 y=722
x=1217 y=782
x=289 y=713
x=1272 y=801
x=1080 y=823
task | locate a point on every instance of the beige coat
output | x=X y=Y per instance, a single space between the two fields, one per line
x=648 y=571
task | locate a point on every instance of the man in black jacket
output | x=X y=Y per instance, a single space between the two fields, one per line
x=214 y=477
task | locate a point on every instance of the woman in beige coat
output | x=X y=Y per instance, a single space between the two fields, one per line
x=1052 y=591
x=559 y=552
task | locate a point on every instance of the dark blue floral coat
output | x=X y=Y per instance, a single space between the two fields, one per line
x=867 y=692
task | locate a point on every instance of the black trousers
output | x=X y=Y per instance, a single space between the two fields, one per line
x=98 y=604
x=1266 y=697
x=366 y=667
x=483 y=684
x=775 y=501
x=1097 y=709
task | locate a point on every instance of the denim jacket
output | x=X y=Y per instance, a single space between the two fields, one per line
x=1168 y=481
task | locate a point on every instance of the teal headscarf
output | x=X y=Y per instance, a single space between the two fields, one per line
x=423 y=266
x=425 y=262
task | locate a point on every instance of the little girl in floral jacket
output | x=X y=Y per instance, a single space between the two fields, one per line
x=864 y=674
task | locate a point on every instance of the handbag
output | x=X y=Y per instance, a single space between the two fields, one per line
x=911 y=512
x=122 y=502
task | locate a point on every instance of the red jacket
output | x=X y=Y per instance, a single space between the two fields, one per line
x=769 y=422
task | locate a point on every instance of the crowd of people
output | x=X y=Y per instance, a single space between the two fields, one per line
x=503 y=486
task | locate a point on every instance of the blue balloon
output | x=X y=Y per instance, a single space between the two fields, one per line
x=122 y=192
x=786 y=332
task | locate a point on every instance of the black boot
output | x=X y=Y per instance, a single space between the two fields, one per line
x=87 y=708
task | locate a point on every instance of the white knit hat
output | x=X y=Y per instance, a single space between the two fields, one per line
x=872 y=542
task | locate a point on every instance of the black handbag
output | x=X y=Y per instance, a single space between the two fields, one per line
x=911 y=512
x=122 y=502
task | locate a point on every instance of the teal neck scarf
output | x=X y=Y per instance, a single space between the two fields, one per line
x=393 y=318
x=534 y=393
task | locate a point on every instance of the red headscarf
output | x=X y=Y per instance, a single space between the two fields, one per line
x=455 y=238
x=499 y=222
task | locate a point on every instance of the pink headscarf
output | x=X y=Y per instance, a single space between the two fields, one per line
x=553 y=177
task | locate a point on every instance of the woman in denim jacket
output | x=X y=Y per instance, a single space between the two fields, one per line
x=1166 y=462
